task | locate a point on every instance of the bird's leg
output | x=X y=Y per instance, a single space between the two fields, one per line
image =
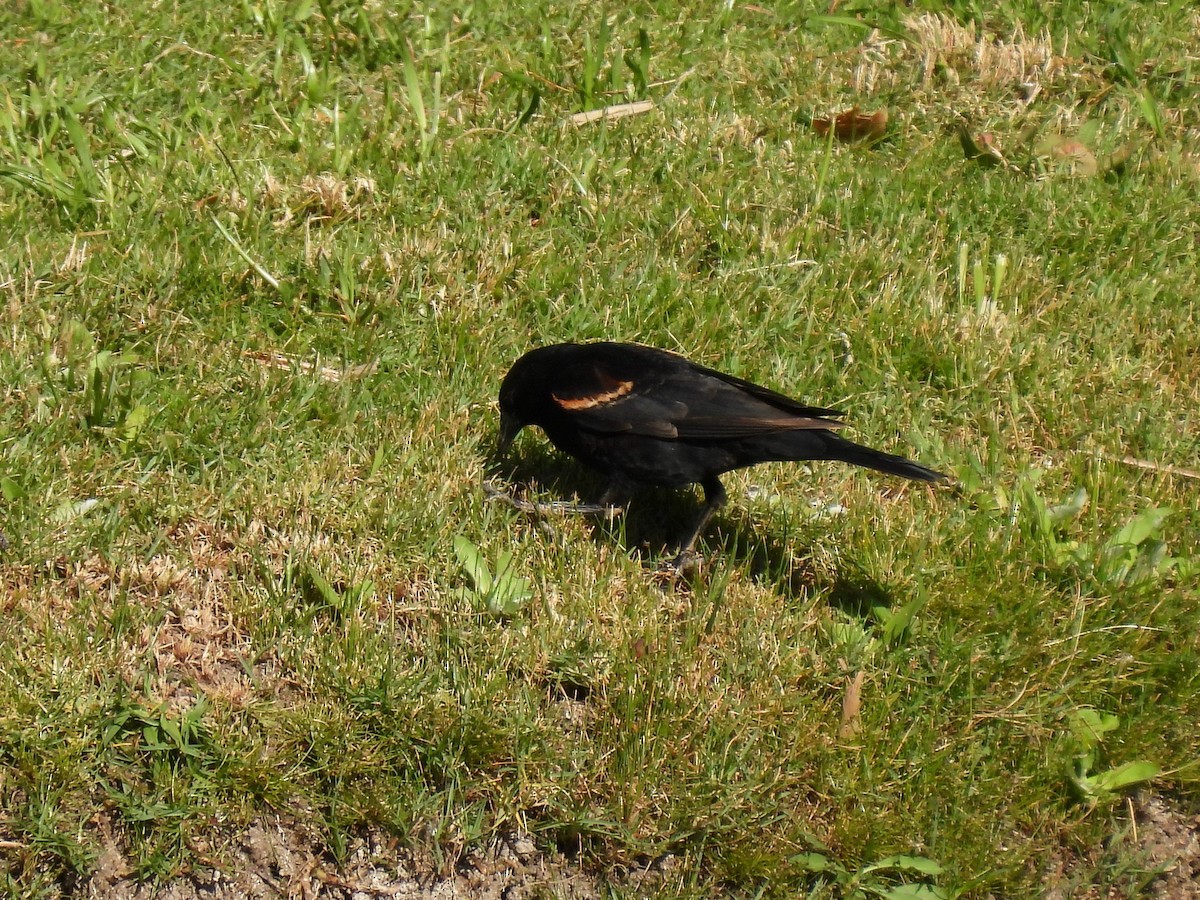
x=714 y=499
x=607 y=505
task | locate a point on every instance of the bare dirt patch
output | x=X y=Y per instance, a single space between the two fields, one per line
x=1162 y=838
x=1170 y=839
x=280 y=857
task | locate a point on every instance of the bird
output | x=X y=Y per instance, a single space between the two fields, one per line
x=641 y=416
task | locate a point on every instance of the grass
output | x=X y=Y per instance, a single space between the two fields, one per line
x=263 y=267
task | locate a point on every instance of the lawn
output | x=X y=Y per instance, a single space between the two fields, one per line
x=263 y=267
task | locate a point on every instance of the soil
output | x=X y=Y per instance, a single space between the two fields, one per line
x=1162 y=838
x=1171 y=841
x=277 y=857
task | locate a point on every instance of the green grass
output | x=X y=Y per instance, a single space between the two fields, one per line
x=230 y=583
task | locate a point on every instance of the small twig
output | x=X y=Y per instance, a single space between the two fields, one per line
x=1106 y=629
x=786 y=264
x=619 y=111
x=678 y=82
x=356 y=887
x=1165 y=468
x=325 y=373
x=179 y=48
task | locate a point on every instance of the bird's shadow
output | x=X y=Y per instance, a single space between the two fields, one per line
x=657 y=518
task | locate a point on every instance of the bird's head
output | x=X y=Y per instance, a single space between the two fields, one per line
x=514 y=403
x=526 y=397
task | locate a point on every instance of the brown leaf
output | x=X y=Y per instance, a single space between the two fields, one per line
x=851 y=705
x=1068 y=154
x=853 y=125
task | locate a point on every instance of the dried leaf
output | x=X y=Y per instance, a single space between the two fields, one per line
x=853 y=125
x=1068 y=154
x=851 y=705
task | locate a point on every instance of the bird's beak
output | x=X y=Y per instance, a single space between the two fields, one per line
x=509 y=426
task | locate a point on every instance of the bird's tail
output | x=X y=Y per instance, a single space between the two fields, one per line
x=884 y=462
x=819 y=443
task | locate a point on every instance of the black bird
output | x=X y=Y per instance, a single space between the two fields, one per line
x=642 y=416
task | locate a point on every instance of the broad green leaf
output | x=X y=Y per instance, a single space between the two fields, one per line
x=1150 y=111
x=170 y=728
x=11 y=489
x=1142 y=527
x=1088 y=724
x=360 y=593
x=1062 y=512
x=473 y=564
x=321 y=590
x=136 y=418
x=1084 y=762
x=1083 y=783
x=79 y=139
x=844 y=633
x=509 y=594
x=78 y=343
x=73 y=509
x=1124 y=775
x=920 y=864
x=505 y=605
x=1072 y=553
x=412 y=85
x=915 y=892
x=895 y=624
x=377 y=461
x=813 y=862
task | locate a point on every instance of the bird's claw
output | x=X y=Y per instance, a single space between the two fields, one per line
x=683 y=566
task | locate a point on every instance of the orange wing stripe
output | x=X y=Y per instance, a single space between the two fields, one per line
x=592 y=400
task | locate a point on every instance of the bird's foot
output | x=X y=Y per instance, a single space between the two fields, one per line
x=552 y=507
x=686 y=564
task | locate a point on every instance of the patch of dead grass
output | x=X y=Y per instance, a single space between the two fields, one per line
x=190 y=631
x=198 y=641
x=988 y=61
x=316 y=198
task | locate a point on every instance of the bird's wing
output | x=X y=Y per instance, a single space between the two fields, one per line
x=682 y=401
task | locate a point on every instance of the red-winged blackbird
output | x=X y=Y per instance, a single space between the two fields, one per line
x=642 y=416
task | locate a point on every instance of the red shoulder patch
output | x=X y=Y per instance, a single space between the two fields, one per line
x=614 y=390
